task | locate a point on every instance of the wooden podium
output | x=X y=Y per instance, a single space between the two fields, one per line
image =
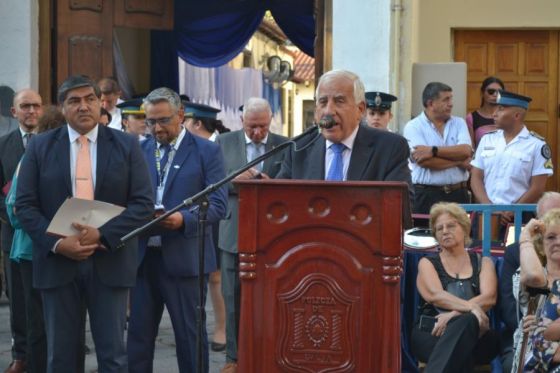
x=320 y=265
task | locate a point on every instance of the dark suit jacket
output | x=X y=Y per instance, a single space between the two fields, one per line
x=44 y=182
x=196 y=164
x=7 y=125
x=235 y=155
x=11 y=150
x=376 y=156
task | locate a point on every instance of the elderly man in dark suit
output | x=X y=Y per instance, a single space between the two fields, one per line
x=27 y=329
x=347 y=150
x=88 y=161
x=180 y=165
x=239 y=148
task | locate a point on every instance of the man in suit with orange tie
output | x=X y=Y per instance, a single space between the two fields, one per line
x=93 y=266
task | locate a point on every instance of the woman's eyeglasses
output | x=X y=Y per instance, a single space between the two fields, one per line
x=492 y=91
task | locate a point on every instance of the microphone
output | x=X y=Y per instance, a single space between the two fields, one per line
x=327 y=121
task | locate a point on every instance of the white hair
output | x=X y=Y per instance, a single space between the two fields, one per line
x=547 y=197
x=256 y=105
x=358 y=86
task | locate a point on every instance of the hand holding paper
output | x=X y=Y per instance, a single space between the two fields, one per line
x=85 y=213
x=70 y=247
x=89 y=235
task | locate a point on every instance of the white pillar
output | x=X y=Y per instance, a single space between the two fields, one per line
x=361 y=40
x=19 y=43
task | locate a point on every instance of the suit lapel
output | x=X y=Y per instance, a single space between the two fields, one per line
x=243 y=146
x=270 y=144
x=18 y=142
x=316 y=170
x=185 y=149
x=150 y=154
x=104 y=148
x=360 y=157
x=62 y=154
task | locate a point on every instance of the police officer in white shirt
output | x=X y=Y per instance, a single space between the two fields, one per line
x=511 y=165
x=441 y=151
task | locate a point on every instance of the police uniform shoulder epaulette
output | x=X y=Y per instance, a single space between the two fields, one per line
x=533 y=133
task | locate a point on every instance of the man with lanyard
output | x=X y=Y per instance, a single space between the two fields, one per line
x=180 y=165
x=441 y=151
x=511 y=165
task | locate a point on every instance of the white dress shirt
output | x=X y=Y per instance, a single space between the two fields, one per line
x=346 y=154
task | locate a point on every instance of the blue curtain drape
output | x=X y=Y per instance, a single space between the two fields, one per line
x=296 y=20
x=164 y=64
x=210 y=33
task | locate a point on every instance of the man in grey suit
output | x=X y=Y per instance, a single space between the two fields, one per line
x=347 y=150
x=239 y=148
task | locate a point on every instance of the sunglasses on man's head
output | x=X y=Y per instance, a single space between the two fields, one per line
x=492 y=91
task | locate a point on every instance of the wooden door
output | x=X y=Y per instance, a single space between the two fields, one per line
x=527 y=62
x=83 y=41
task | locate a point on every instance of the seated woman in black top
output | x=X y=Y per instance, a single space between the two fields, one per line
x=457 y=289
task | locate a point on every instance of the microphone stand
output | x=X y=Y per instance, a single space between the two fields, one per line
x=200 y=199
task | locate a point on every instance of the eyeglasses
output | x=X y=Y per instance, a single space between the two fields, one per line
x=161 y=121
x=492 y=91
x=27 y=107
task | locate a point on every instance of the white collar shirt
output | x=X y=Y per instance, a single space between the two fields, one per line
x=75 y=148
x=116 y=119
x=346 y=154
x=508 y=168
x=252 y=149
x=421 y=131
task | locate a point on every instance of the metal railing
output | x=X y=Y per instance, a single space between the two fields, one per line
x=487 y=211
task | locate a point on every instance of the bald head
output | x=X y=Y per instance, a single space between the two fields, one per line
x=27 y=108
x=549 y=201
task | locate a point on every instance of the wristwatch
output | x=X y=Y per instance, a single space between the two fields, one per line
x=434 y=151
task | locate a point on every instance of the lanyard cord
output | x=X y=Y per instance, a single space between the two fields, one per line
x=161 y=174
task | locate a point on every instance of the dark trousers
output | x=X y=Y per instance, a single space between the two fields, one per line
x=36 y=339
x=231 y=290
x=506 y=349
x=16 y=296
x=155 y=289
x=64 y=317
x=458 y=349
x=424 y=198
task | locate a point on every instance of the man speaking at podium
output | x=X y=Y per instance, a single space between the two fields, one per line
x=89 y=161
x=347 y=150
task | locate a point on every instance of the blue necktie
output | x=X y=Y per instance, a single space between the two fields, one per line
x=163 y=162
x=258 y=150
x=337 y=165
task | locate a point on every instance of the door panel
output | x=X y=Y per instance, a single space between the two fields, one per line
x=84 y=39
x=144 y=14
x=527 y=62
x=84 y=33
